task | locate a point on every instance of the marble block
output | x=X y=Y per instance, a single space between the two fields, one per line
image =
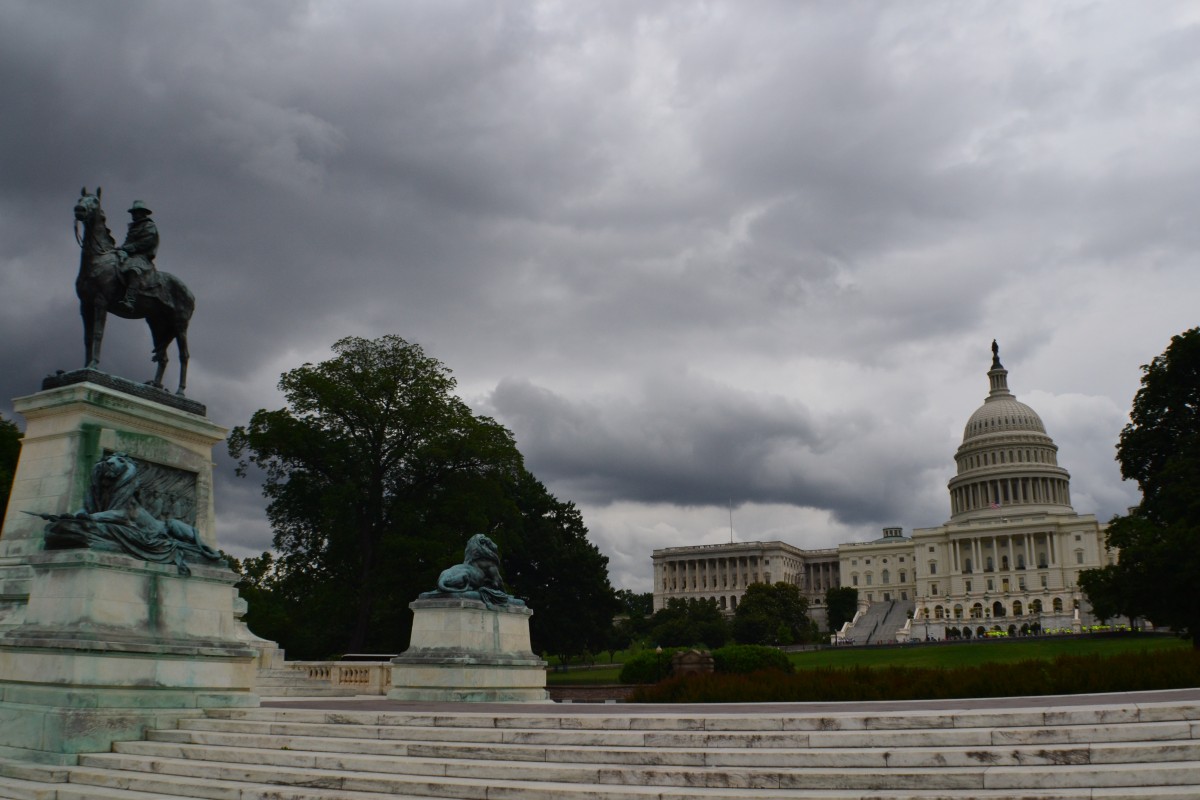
x=112 y=645
x=67 y=429
x=463 y=650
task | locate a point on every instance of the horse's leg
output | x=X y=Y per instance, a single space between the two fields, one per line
x=99 y=318
x=86 y=311
x=181 y=342
x=160 y=352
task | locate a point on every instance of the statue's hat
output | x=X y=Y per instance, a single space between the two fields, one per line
x=138 y=205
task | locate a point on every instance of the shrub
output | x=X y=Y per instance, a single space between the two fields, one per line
x=647 y=667
x=1139 y=671
x=740 y=659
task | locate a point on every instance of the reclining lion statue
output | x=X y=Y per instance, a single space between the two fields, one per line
x=113 y=518
x=477 y=577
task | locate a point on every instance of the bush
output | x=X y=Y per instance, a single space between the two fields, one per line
x=741 y=659
x=1127 y=672
x=647 y=667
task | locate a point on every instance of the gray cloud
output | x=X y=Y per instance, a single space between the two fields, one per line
x=688 y=252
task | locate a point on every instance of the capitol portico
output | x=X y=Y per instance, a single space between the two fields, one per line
x=1007 y=559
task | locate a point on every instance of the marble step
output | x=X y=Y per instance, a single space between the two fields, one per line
x=874 y=756
x=696 y=740
x=470 y=778
x=94 y=784
x=555 y=717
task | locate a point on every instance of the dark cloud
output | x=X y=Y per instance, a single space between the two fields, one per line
x=691 y=253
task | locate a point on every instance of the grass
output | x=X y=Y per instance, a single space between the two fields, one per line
x=949 y=655
x=584 y=677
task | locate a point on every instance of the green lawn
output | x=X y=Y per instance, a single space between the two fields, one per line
x=933 y=655
x=578 y=677
x=968 y=654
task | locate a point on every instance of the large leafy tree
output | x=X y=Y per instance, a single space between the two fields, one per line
x=549 y=561
x=10 y=449
x=1159 y=540
x=691 y=621
x=841 y=604
x=771 y=614
x=375 y=475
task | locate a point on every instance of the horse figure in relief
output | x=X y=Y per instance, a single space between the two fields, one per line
x=162 y=300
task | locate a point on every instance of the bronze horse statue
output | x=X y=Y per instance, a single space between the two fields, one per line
x=163 y=301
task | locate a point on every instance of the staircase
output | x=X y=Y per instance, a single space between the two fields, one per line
x=865 y=630
x=1018 y=749
x=896 y=618
x=880 y=622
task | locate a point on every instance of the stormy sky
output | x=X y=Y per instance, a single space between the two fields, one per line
x=696 y=255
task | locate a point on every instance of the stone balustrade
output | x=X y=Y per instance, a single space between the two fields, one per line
x=365 y=677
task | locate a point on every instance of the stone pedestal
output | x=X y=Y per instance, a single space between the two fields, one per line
x=462 y=650
x=96 y=646
x=68 y=427
x=112 y=645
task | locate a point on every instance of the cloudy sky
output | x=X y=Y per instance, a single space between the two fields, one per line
x=696 y=255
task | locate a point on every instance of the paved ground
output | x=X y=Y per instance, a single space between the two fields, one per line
x=377 y=703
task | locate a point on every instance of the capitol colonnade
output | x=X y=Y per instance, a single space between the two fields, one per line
x=722 y=572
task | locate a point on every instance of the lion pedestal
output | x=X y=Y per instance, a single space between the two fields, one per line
x=464 y=650
x=470 y=638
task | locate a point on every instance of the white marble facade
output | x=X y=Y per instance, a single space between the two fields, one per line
x=1009 y=555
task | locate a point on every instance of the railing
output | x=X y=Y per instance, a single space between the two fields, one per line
x=365 y=677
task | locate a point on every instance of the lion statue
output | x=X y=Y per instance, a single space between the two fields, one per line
x=113 y=518
x=477 y=577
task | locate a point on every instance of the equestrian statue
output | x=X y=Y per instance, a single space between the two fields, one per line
x=124 y=281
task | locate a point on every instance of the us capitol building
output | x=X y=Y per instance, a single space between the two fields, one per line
x=1007 y=559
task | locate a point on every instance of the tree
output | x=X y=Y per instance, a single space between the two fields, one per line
x=549 y=561
x=633 y=621
x=1159 y=540
x=635 y=605
x=10 y=450
x=771 y=614
x=375 y=475
x=686 y=622
x=841 y=604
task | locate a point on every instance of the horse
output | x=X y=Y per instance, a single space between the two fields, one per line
x=163 y=300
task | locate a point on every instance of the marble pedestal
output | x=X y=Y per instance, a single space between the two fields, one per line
x=96 y=646
x=112 y=645
x=69 y=425
x=462 y=650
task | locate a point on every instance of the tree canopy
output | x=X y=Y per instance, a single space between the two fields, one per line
x=771 y=614
x=1158 y=540
x=686 y=622
x=841 y=603
x=375 y=475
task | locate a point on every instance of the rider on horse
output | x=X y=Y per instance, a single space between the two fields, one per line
x=136 y=255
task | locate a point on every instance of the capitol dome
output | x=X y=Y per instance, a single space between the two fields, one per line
x=1006 y=461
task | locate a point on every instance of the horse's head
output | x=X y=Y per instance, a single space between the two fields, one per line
x=88 y=205
x=98 y=237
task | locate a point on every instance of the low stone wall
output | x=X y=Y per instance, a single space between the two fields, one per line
x=608 y=693
x=365 y=677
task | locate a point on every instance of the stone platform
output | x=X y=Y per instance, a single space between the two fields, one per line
x=463 y=650
x=97 y=645
x=1143 y=746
